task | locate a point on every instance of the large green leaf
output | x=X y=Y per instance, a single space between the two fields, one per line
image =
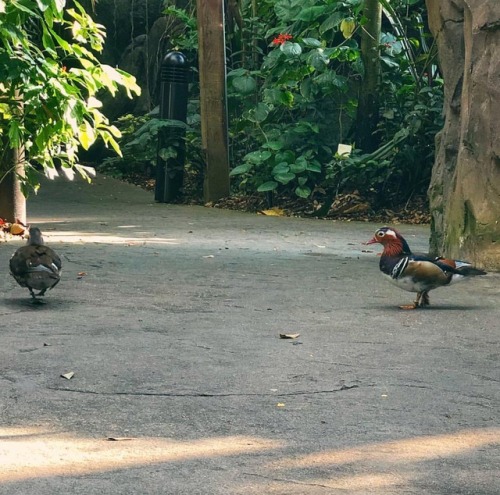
x=287 y=156
x=311 y=14
x=274 y=145
x=303 y=191
x=284 y=178
x=298 y=167
x=312 y=42
x=313 y=166
x=268 y=186
x=259 y=113
x=240 y=169
x=281 y=168
x=290 y=48
x=244 y=84
x=331 y=22
x=257 y=157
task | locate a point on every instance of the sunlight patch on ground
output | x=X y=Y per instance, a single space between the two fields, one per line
x=379 y=467
x=36 y=453
x=104 y=238
x=403 y=451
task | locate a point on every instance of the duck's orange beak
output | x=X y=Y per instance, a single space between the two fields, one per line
x=373 y=240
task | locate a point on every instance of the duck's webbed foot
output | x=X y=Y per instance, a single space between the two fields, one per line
x=34 y=298
x=409 y=306
x=421 y=301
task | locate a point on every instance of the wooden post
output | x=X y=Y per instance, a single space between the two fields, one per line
x=212 y=67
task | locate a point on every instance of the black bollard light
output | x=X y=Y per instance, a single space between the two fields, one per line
x=174 y=78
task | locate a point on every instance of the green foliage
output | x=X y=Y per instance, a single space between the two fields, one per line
x=50 y=85
x=296 y=96
x=139 y=144
x=294 y=74
x=186 y=39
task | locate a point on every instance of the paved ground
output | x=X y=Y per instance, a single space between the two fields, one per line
x=173 y=336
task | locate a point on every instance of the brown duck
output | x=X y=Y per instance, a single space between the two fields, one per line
x=36 y=266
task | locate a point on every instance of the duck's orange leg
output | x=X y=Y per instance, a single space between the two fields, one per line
x=421 y=301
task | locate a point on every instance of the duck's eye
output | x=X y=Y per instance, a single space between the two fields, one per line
x=380 y=234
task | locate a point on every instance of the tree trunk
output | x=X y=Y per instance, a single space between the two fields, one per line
x=213 y=108
x=465 y=187
x=12 y=200
x=368 y=104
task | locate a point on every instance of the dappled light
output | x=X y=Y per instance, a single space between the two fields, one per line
x=406 y=450
x=380 y=466
x=75 y=237
x=33 y=453
x=28 y=453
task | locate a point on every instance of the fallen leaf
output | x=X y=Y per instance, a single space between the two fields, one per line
x=289 y=335
x=68 y=376
x=209 y=256
x=118 y=439
x=280 y=404
x=17 y=229
x=46 y=345
x=273 y=212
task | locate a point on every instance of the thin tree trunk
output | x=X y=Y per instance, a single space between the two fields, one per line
x=368 y=104
x=12 y=200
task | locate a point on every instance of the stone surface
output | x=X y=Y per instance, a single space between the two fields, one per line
x=465 y=187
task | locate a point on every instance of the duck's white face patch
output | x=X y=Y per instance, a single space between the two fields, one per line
x=386 y=234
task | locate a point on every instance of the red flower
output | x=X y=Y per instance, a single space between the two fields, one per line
x=281 y=39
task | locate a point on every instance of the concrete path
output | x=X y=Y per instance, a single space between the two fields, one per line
x=169 y=317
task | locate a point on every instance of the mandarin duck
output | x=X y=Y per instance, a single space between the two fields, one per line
x=36 y=266
x=415 y=272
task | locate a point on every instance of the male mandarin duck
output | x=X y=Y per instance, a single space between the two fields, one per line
x=36 y=266
x=415 y=272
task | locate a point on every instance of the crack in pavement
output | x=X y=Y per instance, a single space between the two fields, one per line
x=287 y=480
x=202 y=394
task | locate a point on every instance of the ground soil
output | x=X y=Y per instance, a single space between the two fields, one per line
x=348 y=207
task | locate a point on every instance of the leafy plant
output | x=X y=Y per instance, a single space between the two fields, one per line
x=290 y=100
x=299 y=102
x=293 y=90
x=50 y=86
x=139 y=144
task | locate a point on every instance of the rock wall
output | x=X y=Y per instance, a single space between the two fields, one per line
x=465 y=187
